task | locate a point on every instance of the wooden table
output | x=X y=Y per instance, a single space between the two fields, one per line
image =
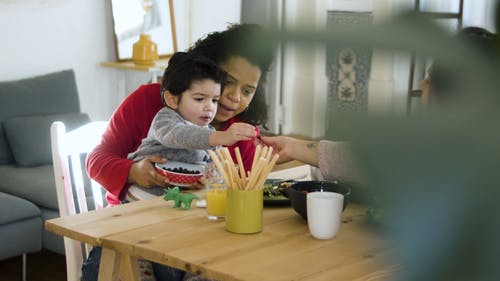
x=284 y=250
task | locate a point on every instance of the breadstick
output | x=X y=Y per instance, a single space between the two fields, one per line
x=232 y=177
x=263 y=152
x=233 y=168
x=255 y=173
x=219 y=166
x=256 y=156
x=219 y=153
x=240 y=164
x=266 y=171
x=269 y=153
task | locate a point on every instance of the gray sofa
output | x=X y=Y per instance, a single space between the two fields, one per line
x=27 y=188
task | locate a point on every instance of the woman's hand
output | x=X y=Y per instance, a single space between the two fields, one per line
x=289 y=148
x=280 y=145
x=144 y=172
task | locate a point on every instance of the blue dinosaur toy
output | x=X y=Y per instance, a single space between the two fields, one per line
x=179 y=198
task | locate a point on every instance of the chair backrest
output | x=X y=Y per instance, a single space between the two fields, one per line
x=69 y=150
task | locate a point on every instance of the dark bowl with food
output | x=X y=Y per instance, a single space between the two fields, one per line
x=297 y=193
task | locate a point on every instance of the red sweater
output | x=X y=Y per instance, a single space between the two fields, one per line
x=108 y=163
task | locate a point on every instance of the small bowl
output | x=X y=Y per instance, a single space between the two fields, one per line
x=298 y=193
x=180 y=178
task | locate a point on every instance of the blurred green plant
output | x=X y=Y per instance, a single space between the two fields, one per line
x=436 y=174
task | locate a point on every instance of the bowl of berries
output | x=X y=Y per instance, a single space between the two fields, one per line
x=180 y=173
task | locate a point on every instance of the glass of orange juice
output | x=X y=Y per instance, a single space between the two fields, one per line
x=216 y=192
x=216 y=201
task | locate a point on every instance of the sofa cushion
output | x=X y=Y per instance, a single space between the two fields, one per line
x=50 y=240
x=13 y=209
x=54 y=93
x=20 y=237
x=35 y=184
x=29 y=137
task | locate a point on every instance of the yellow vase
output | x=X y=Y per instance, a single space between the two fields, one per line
x=244 y=211
x=144 y=51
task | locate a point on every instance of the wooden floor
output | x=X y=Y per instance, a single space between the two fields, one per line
x=42 y=266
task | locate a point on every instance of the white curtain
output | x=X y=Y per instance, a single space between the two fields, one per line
x=479 y=13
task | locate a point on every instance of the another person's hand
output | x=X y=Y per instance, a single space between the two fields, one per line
x=145 y=174
x=280 y=145
x=425 y=87
x=289 y=148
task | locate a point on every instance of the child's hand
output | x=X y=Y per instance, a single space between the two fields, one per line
x=236 y=132
x=259 y=141
x=240 y=131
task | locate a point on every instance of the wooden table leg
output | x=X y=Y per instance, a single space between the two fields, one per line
x=129 y=268
x=115 y=266
x=109 y=265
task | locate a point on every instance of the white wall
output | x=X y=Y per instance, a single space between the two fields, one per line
x=41 y=36
x=195 y=18
x=44 y=36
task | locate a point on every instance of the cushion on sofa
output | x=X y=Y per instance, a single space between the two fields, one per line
x=20 y=226
x=13 y=209
x=50 y=240
x=53 y=93
x=35 y=184
x=29 y=136
x=22 y=236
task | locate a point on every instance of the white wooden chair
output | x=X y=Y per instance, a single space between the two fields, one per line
x=68 y=154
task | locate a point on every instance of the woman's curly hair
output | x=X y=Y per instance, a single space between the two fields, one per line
x=246 y=41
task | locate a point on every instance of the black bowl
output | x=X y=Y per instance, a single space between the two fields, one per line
x=298 y=193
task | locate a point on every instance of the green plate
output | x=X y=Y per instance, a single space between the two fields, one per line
x=280 y=187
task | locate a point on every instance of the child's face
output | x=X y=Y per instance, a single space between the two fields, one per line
x=198 y=104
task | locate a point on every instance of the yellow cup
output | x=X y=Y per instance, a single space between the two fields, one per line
x=216 y=201
x=244 y=211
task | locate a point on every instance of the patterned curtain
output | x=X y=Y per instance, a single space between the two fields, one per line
x=347 y=69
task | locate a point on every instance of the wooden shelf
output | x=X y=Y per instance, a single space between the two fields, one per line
x=159 y=65
x=156 y=70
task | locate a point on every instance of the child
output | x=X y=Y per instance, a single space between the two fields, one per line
x=181 y=131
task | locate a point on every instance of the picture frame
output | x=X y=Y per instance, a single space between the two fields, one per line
x=134 y=17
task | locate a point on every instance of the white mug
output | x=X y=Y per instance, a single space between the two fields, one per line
x=324 y=212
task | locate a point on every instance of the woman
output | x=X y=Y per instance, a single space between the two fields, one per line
x=242 y=100
x=246 y=60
